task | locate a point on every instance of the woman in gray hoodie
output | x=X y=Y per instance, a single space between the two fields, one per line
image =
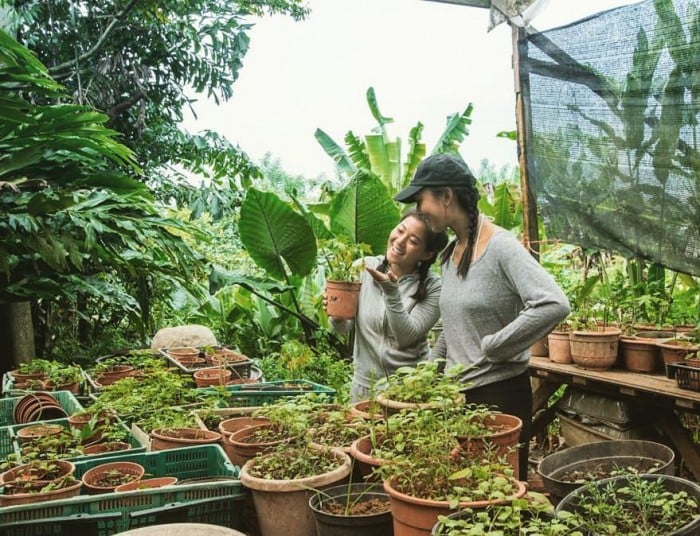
x=398 y=304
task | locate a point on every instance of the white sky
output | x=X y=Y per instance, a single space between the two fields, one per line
x=426 y=60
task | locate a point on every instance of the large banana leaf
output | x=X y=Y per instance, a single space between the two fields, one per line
x=364 y=212
x=456 y=130
x=336 y=152
x=275 y=235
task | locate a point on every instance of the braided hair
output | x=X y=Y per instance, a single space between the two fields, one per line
x=434 y=243
x=467 y=198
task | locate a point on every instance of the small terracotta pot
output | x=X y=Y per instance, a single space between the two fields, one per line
x=93 y=479
x=240 y=448
x=15 y=499
x=108 y=446
x=342 y=299
x=229 y=426
x=559 y=347
x=361 y=451
x=172 y=438
x=37 y=406
x=207 y=377
x=34 y=431
x=183 y=352
x=147 y=483
x=114 y=373
x=32 y=471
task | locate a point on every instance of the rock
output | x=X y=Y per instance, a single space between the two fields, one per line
x=189 y=335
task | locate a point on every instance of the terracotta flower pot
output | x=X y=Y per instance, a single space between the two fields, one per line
x=229 y=426
x=559 y=347
x=173 y=438
x=416 y=517
x=240 y=446
x=35 y=431
x=37 y=406
x=639 y=354
x=71 y=488
x=675 y=350
x=208 y=377
x=361 y=451
x=104 y=478
x=540 y=348
x=362 y=410
x=147 y=483
x=282 y=506
x=596 y=350
x=342 y=299
x=113 y=374
x=184 y=354
x=503 y=440
x=108 y=446
x=45 y=471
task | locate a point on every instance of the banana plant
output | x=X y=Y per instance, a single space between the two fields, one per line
x=380 y=154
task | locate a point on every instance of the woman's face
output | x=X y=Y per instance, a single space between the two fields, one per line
x=433 y=208
x=407 y=243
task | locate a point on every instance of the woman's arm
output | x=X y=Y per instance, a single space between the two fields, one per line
x=545 y=304
x=409 y=328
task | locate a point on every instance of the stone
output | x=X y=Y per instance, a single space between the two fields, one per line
x=188 y=335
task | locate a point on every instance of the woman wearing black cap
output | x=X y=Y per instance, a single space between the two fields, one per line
x=496 y=300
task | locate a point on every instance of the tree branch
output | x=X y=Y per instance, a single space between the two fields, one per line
x=125 y=105
x=98 y=45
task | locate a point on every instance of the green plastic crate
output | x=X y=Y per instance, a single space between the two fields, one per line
x=218 y=501
x=259 y=394
x=66 y=400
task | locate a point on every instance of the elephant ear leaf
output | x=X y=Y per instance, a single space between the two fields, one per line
x=274 y=235
x=364 y=212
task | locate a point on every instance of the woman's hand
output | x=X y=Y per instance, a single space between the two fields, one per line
x=380 y=277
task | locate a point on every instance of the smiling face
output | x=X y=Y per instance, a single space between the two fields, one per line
x=407 y=244
x=433 y=208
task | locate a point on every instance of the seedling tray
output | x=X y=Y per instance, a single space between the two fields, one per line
x=211 y=493
x=260 y=394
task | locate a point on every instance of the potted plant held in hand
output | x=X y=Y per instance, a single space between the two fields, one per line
x=344 y=262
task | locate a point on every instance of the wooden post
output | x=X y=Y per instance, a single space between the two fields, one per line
x=530 y=237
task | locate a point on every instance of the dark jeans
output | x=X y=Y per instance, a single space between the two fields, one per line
x=514 y=397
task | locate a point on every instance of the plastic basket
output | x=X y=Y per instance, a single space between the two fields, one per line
x=66 y=400
x=260 y=394
x=10 y=433
x=687 y=377
x=216 y=498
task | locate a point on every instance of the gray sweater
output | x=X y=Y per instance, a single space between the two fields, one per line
x=491 y=318
x=391 y=328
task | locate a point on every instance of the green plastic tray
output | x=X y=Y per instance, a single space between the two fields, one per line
x=217 y=501
x=66 y=399
x=259 y=394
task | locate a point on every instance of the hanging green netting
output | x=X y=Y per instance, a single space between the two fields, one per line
x=612 y=105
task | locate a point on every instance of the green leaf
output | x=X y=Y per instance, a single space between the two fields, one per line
x=364 y=212
x=275 y=236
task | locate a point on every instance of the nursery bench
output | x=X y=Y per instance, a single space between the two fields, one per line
x=656 y=392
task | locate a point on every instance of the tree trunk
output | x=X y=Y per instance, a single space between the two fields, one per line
x=17 y=332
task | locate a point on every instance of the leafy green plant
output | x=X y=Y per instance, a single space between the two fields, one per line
x=344 y=261
x=637 y=505
x=291 y=463
x=426 y=382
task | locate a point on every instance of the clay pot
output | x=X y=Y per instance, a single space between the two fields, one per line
x=229 y=426
x=71 y=489
x=104 y=478
x=540 y=348
x=36 y=471
x=342 y=299
x=361 y=451
x=362 y=410
x=595 y=350
x=172 y=438
x=34 y=431
x=416 y=516
x=240 y=448
x=184 y=352
x=639 y=355
x=147 y=483
x=675 y=350
x=37 y=406
x=282 y=506
x=113 y=374
x=504 y=437
x=559 y=347
x=107 y=446
x=208 y=377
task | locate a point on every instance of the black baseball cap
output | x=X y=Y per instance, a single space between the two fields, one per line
x=445 y=169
